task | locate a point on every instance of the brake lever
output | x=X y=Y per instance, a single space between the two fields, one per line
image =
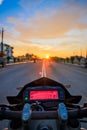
x=73 y=105
x=4 y=106
x=85 y=104
x=83 y=121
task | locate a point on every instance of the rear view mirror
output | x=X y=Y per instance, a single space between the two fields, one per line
x=67 y=86
x=19 y=88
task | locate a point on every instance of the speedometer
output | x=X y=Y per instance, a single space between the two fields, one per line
x=43 y=94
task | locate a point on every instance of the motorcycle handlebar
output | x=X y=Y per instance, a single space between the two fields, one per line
x=4 y=114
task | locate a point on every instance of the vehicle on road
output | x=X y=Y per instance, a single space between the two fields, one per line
x=34 y=60
x=43 y=104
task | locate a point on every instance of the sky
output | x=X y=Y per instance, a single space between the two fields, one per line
x=45 y=27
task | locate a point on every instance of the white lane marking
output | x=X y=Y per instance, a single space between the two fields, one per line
x=43 y=70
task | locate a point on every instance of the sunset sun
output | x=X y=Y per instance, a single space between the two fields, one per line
x=47 y=56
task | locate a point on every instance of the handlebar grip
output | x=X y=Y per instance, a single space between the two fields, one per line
x=4 y=114
x=81 y=113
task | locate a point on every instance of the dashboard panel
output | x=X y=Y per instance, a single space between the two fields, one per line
x=44 y=84
x=43 y=94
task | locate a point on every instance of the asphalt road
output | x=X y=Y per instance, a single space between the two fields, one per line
x=18 y=75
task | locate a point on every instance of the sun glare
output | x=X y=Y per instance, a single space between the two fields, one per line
x=47 y=56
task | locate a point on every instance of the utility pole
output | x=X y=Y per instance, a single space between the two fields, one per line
x=81 y=52
x=2 y=59
x=2 y=36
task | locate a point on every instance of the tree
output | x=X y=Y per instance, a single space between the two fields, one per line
x=72 y=59
x=67 y=59
x=27 y=56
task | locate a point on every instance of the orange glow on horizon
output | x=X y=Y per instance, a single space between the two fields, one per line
x=42 y=55
x=20 y=51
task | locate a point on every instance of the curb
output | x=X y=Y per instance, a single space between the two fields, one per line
x=83 y=66
x=16 y=63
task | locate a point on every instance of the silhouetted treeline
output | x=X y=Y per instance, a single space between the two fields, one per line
x=73 y=59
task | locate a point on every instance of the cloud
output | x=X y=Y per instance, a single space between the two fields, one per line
x=51 y=32
x=13 y=20
x=51 y=26
x=1 y=2
x=76 y=32
x=54 y=41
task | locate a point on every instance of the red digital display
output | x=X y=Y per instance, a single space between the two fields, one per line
x=44 y=94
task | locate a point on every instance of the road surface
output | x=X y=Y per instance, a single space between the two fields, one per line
x=15 y=76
